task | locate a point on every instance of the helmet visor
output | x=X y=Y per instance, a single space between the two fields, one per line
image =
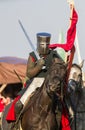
x=43 y=40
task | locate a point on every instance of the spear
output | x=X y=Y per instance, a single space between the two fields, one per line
x=3 y=87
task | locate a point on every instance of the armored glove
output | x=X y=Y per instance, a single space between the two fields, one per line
x=41 y=62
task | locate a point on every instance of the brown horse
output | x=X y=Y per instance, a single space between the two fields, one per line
x=40 y=111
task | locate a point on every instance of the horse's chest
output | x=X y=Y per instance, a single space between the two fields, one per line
x=43 y=121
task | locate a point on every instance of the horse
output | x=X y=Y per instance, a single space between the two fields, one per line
x=76 y=97
x=40 y=111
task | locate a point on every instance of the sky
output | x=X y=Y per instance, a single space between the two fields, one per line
x=50 y=16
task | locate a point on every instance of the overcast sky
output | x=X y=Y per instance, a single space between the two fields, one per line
x=36 y=16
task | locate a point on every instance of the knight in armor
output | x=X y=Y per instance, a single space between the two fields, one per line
x=37 y=68
x=34 y=66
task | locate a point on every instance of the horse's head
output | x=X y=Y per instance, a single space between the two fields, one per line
x=56 y=77
x=75 y=78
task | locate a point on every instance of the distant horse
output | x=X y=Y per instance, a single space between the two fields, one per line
x=76 y=98
x=39 y=113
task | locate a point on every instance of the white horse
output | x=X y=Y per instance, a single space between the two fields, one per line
x=76 y=94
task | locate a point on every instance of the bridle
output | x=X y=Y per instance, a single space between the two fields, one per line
x=59 y=92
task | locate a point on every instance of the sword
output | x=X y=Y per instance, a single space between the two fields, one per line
x=30 y=42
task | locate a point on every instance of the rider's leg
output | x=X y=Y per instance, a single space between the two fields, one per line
x=35 y=83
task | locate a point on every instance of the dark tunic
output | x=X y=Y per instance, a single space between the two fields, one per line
x=48 y=61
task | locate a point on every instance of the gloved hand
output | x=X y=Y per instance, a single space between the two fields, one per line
x=41 y=62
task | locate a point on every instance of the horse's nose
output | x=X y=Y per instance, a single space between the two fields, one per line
x=71 y=85
x=77 y=79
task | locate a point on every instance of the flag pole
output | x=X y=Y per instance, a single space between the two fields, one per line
x=77 y=48
x=71 y=3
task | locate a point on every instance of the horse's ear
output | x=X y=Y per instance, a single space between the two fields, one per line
x=81 y=64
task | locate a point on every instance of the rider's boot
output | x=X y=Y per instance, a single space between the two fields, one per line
x=18 y=108
x=37 y=82
x=19 y=105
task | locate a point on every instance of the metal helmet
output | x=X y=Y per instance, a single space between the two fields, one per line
x=43 y=40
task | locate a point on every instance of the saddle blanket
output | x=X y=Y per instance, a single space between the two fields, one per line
x=37 y=82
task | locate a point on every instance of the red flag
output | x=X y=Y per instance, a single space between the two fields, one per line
x=71 y=33
x=1 y=105
x=65 y=124
x=11 y=115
